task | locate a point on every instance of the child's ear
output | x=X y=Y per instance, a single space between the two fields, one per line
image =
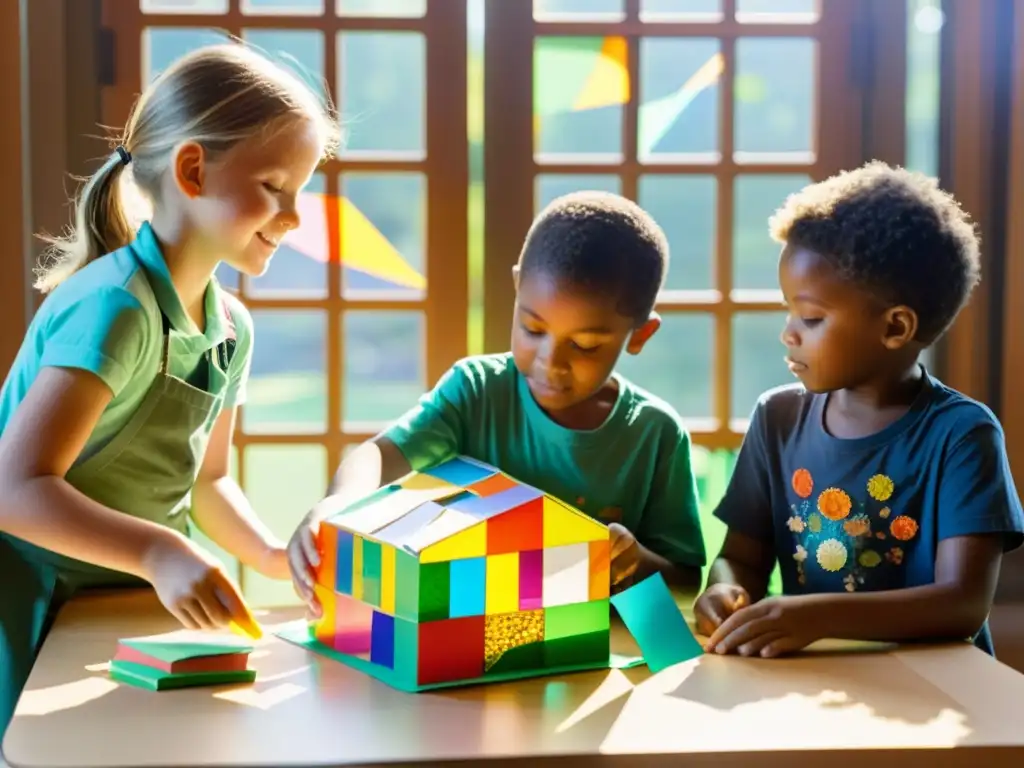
x=189 y=169
x=901 y=327
x=643 y=334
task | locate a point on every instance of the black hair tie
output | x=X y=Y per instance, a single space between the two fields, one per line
x=126 y=156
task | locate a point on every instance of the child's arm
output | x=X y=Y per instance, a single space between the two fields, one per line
x=221 y=510
x=980 y=518
x=740 y=573
x=428 y=433
x=744 y=562
x=39 y=445
x=37 y=505
x=669 y=537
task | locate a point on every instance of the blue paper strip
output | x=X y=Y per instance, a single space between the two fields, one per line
x=654 y=620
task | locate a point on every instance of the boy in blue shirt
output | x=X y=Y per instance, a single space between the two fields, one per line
x=553 y=413
x=885 y=496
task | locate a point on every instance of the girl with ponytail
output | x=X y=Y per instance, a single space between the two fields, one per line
x=116 y=418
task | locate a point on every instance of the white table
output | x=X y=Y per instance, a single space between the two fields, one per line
x=838 y=704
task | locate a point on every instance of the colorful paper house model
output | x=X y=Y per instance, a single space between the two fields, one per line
x=461 y=574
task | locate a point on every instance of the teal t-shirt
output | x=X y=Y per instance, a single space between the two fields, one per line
x=106 y=319
x=634 y=469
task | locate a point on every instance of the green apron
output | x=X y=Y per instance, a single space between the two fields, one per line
x=147 y=471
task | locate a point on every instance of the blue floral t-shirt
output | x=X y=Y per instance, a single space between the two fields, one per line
x=868 y=513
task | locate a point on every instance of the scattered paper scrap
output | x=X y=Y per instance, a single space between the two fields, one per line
x=160 y=664
x=654 y=620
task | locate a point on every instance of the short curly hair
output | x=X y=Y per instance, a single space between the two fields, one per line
x=602 y=243
x=893 y=232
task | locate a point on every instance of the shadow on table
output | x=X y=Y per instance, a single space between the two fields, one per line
x=879 y=687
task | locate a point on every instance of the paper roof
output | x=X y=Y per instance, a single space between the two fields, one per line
x=445 y=508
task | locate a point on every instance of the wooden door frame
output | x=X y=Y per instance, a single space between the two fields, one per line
x=13 y=205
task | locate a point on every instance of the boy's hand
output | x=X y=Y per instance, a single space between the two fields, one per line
x=625 y=553
x=303 y=559
x=716 y=604
x=768 y=628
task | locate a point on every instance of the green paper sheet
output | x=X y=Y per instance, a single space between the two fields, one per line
x=142 y=676
x=300 y=633
x=653 y=619
x=171 y=651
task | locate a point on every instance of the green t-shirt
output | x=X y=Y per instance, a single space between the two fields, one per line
x=633 y=469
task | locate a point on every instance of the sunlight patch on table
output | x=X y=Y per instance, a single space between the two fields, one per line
x=57 y=698
x=265 y=699
x=615 y=685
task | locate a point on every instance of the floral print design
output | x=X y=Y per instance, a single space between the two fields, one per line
x=840 y=535
x=803 y=483
x=834 y=504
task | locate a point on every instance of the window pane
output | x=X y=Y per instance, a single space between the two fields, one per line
x=383 y=91
x=299 y=50
x=383 y=234
x=287 y=386
x=678 y=97
x=405 y=8
x=385 y=366
x=606 y=10
x=757 y=358
x=281 y=503
x=579 y=87
x=766 y=11
x=299 y=267
x=755 y=255
x=283 y=7
x=183 y=6
x=676 y=363
x=549 y=186
x=161 y=46
x=680 y=10
x=685 y=207
x=774 y=97
x=923 y=73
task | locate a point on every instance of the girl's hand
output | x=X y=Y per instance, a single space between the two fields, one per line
x=717 y=603
x=768 y=628
x=304 y=559
x=193 y=585
x=625 y=553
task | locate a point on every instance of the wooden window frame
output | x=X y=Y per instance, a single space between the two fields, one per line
x=511 y=166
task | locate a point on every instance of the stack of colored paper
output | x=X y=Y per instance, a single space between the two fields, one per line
x=165 y=662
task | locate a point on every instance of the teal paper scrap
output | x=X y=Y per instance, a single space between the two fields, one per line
x=654 y=620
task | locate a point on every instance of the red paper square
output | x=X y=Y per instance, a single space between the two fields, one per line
x=451 y=649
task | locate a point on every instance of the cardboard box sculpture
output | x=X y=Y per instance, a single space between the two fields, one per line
x=461 y=574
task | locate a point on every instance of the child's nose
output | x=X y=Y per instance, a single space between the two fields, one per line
x=788 y=336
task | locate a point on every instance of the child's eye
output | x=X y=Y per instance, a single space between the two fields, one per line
x=810 y=322
x=586 y=350
x=272 y=188
x=531 y=331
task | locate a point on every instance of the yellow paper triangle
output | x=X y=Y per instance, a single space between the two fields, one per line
x=471 y=542
x=608 y=83
x=363 y=247
x=563 y=525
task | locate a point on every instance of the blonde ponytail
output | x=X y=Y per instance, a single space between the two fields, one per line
x=101 y=225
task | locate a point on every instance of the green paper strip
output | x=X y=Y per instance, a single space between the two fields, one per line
x=142 y=676
x=654 y=620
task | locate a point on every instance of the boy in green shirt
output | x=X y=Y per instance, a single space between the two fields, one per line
x=553 y=413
